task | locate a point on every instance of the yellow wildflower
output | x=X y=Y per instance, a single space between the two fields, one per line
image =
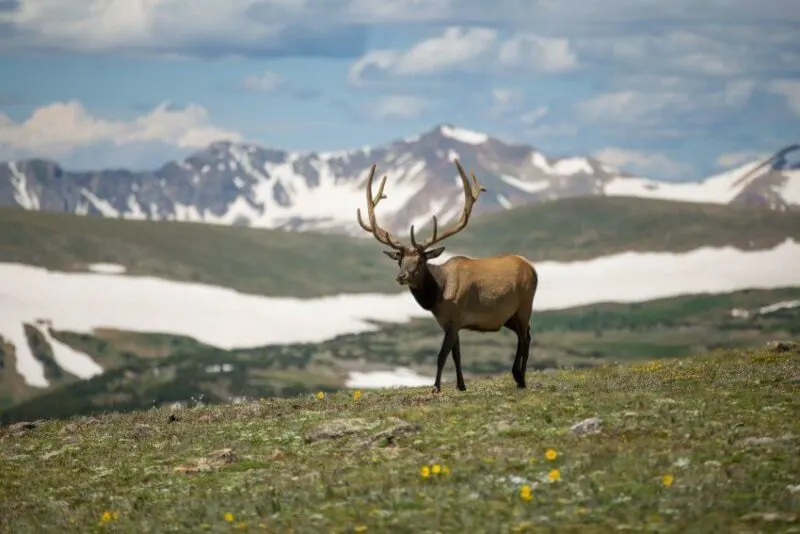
x=321 y=395
x=424 y=471
x=446 y=470
x=525 y=493
x=357 y=395
x=108 y=516
x=436 y=469
x=360 y=529
x=551 y=454
x=229 y=517
x=666 y=480
x=554 y=475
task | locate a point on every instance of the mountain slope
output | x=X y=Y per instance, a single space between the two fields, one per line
x=230 y=183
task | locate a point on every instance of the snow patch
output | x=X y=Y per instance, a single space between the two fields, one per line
x=74 y=362
x=103 y=206
x=783 y=305
x=402 y=377
x=719 y=189
x=571 y=166
x=468 y=137
x=107 y=268
x=790 y=190
x=528 y=187
x=22 y=193
x=503 y=201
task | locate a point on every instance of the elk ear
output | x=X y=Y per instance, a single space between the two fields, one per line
x=434 y=253
x=394 y=254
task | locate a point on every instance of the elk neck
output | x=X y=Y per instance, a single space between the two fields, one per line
x=429 y=291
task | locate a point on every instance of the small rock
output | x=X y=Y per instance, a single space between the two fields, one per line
x=768 y=516
x=755 y=441
x=337 y=429
x=399 y=427
x=141 y=431
x=225 y=456
x=782 y=346
x=23 y=427
x=793 y=488
x=587 y=426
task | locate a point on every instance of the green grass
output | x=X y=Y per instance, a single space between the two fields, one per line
x=305 y=264
x=342 y=465
x=148 y=369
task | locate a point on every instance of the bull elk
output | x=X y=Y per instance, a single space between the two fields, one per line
x=482 y=294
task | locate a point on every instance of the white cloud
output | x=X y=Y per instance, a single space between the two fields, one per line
x=789 y=89
x=642 y=161
x=464 y=48
x=57 y=129
x=266 y=83
x=546 y=54
x=628 y=106
x=398 y=107
x=657 y=99
x=732 y=159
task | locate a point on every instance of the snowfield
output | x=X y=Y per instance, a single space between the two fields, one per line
x=81 y=302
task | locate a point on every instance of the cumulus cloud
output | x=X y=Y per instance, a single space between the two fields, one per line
x=666 y=99
x=642 y=161
x=398 y=107
x=467 y=48
x=545 y=54
x=177 y=28
x=59 y=128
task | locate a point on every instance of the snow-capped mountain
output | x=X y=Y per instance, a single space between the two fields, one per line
x=239 y=183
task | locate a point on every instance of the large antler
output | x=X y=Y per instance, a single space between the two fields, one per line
x=471 y=193
x=380 y=234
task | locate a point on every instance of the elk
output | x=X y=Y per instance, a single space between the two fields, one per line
x=480 y=294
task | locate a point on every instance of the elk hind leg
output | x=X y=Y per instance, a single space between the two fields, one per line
x=517 y=371
x=457 y=361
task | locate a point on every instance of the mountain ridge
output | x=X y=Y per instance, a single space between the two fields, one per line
x=247 y=184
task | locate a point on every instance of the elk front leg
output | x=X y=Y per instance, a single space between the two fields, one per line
x=450 y=339
x=457 y=361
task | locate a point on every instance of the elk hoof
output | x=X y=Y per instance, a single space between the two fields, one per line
x=435 y=391
x=521 y=386
x=462 y=387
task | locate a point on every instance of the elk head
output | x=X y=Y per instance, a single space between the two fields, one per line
x=412 y=260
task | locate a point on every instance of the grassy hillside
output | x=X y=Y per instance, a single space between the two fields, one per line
x=695 y=445
x=147 y=369
x=584 y=228
x=304 y=264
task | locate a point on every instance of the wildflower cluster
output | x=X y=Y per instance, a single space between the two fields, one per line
x=427 y=470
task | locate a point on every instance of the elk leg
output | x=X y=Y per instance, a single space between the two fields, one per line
x=457 y=361
x=450 y=337
x=518 y=370
x=526 y=351
x=513 y=325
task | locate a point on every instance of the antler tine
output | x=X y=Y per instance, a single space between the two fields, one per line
x=471 y=193
x=380 y=234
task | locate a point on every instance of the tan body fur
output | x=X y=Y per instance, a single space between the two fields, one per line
x=479 y=294
x=483 y=294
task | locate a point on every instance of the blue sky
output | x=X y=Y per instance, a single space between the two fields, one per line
x=673 y=89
